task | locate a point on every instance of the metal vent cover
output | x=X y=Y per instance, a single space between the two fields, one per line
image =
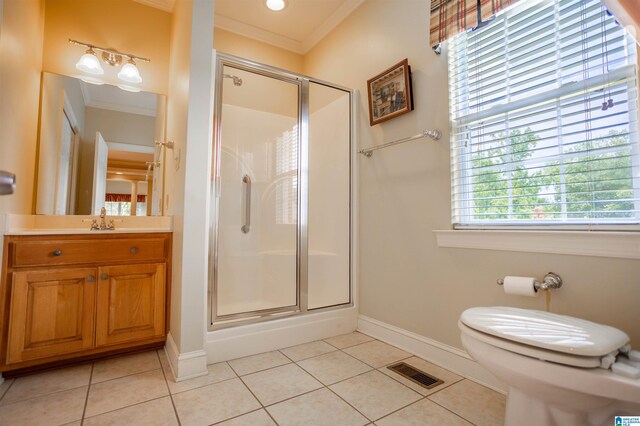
x=420 y=377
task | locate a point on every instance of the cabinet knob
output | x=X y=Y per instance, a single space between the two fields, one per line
x=57 y=252
x=104 y=277
x=134 y=250
x=91 y=278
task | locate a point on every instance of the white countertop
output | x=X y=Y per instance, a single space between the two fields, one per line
x=16 y=224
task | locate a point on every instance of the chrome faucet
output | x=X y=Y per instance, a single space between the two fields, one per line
x=103 y=222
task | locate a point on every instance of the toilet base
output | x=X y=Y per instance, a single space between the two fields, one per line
x=546 y=394
x=525 y=410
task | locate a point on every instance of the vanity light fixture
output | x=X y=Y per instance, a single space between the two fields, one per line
x=90 y=63
x=276 y=5
x=130 y=73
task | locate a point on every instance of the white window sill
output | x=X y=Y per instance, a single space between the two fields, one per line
x=582 y=243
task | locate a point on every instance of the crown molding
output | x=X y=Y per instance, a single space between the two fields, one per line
x=166 y=5
x=286 y=43
x=330 y=24
x=122 y=108
x=246 y=30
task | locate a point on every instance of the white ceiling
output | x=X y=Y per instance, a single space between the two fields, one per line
x=298 y=27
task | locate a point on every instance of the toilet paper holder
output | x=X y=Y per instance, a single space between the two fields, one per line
x=552 y=281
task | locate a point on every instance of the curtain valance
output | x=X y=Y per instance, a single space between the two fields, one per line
x=491 y=7
x=451 y=17
x=123 y=198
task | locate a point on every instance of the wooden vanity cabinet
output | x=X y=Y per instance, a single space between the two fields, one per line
x=78 y=296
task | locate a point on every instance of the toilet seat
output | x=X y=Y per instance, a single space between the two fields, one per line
x=544 y=335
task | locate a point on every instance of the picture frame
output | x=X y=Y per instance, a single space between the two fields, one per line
x=390 y=93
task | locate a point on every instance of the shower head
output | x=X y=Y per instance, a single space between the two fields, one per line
x=237 y=81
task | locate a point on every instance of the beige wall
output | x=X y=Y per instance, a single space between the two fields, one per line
x=119 y=24
x=20 y=65
x=405 y=279
x=247 y=48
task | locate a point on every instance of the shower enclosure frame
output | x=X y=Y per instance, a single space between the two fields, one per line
x=303 y=82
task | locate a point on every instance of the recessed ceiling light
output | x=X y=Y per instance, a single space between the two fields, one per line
x=276 y=5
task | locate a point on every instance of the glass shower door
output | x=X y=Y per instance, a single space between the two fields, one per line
x=257 y=194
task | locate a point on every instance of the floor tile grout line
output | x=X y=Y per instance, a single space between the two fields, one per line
x=333 y=392
x=401 y=408
x=203 y=386
x=448 y=409
x=8 y=389
x=166 y=382
x=350 y=346
x=453 y=412
x=266 y=369
x=285 y=355
x=366 y=372
x=125 y=407
x=239 y=415
x=42 y=395
x=258 y=371
x=347 y=402
x=312 y=356
x=257 y=399
x=86 y=398
x=133 y=405
x=363 y=373
x=343 y=380
x=126 y=375
x=292 y=361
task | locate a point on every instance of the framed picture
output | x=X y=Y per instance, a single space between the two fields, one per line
x=390 y=93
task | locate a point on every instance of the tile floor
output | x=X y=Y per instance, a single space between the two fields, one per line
x=338 y=381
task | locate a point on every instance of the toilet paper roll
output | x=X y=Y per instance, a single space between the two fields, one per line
x=520 y=286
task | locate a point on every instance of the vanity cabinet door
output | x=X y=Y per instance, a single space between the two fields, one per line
x=131 y=303
x=52 y=313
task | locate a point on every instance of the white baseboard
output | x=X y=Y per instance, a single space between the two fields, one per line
x=445 y=356
x=236 y=342
x=185 y=365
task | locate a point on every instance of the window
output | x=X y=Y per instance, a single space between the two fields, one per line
x=544 y=117
x=120 y=205
x=287 y=177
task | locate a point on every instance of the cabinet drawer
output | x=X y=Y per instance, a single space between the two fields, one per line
x=66 y=252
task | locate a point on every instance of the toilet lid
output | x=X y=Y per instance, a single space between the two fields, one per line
x=546 y=330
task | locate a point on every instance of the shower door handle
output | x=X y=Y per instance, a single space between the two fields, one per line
x=247 y=215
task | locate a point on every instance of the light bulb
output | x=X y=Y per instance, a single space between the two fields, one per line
x=276 y=5
x=90 y=63
x=130 y=73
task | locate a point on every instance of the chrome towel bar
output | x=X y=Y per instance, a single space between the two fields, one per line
x=433 y=134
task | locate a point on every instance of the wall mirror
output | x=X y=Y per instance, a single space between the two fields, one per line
x=97 y=148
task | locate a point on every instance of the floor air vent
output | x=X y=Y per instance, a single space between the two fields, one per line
x=420 y=377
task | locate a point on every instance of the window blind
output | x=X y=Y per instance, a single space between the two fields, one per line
x=544 y=119
x=286 y=167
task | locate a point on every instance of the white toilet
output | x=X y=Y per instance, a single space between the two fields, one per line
x=560 y=370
